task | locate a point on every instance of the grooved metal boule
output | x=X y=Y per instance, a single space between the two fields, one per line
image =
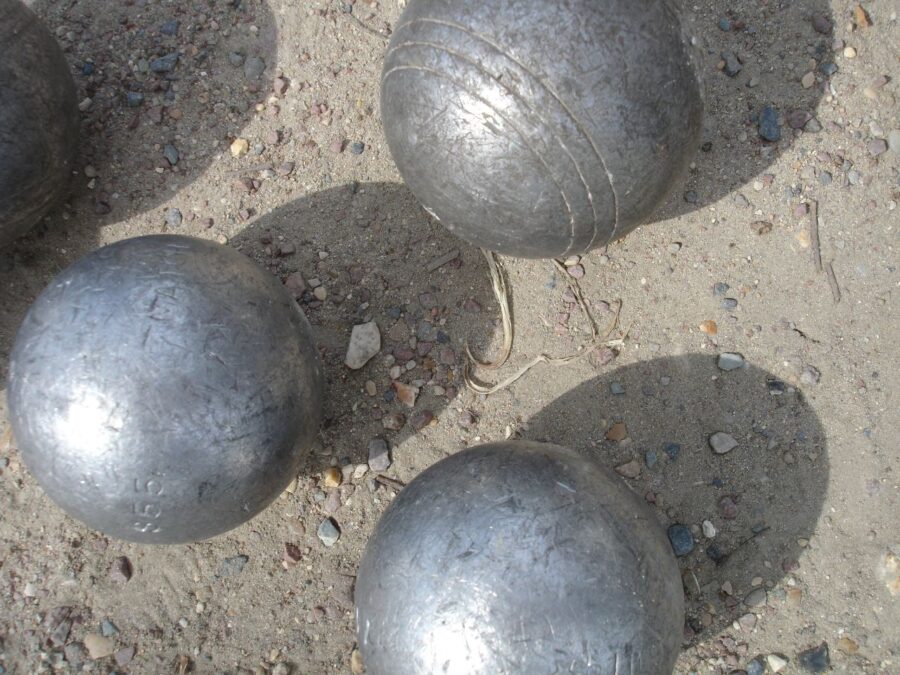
x=39 y=121
x=164 y=389
x=518 y=557
x=537 y=128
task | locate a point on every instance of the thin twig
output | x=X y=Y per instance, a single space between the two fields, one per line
x=543 y=358
x=814 y=234
x=390 y=482
x=366 y=28
x=832 y=281
x=501 y=292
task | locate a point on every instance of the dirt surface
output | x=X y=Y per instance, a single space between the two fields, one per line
x=795 y=530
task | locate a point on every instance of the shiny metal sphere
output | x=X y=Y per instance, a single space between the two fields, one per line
x=39 y=121
x=537 y=128
x=164 y=389
x=518 y=557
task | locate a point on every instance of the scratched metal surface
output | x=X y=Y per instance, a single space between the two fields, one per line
x=518 y=557
x=163 y=389
x=39 y=121
x=539 y=129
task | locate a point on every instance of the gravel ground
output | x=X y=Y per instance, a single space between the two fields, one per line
x=264 y=133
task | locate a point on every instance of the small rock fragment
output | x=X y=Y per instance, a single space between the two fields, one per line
x=406 y=394
x=331 y=477
x=756 y=598
x=421 y=419
x=730 y=361
x=254 y=67
x=240 y=147
x=394 y=421
x=124 y=656
x=174 y=217
x=365 y=342
x=617 y=432
x=810 y=376
x=776 y=662
x=681 y=539
x=120 y=571
x=722 y=443
x=356 y=663
x=379 y=455
x=233 y=566
x=709 y=327
x=630 y=469
x=709 y=530
x=164 y=64
x=848 y=645
x=769 y=127
x=815 y=659
x=328 y=532
x=98 y=647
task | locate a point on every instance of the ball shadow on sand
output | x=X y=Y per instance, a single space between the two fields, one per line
x=167 y=90
x=763 y=498
x=767 y=48
x=378 y=256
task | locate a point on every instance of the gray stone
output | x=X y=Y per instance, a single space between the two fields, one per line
x=173 y=218
x=254 y=67
x=730 y=361
x=164 y=64
x=721 y=442
x=756 y=598
x=616 y=389
x=365 y=342
x=379 y=455
x=233 y=566
x=328 y=532
x=170 y=152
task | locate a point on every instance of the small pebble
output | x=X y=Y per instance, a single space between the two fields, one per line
x=720 y=288
x=108 y=628
x=120 y=571
x=681 y=539
x=731 y=65
x=769 y=127
x=170 y=152
x=233 y=566
x=724 y=25
x=240 y=147
x=328 y=532
x=357 y=148
x=756 y=598
x=776 y=662
x=379 y=455
x=730 y=361
x=650 y=459
x=576 y=271
x=164 y=64
x=810 y=376
x=173 y=217
x=630 y=469
x=672 y=451
x=849 y=53
x=134 y=99
x=709 y=530
x=877 y=146
x=98 y=647
x=729 y=303
x=616 y=389
x=365 y=342
x=755 y=667
x=815 y=659
x=254 y=67
x=722 y=443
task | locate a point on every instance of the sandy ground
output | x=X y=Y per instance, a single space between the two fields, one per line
x=803 y=544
